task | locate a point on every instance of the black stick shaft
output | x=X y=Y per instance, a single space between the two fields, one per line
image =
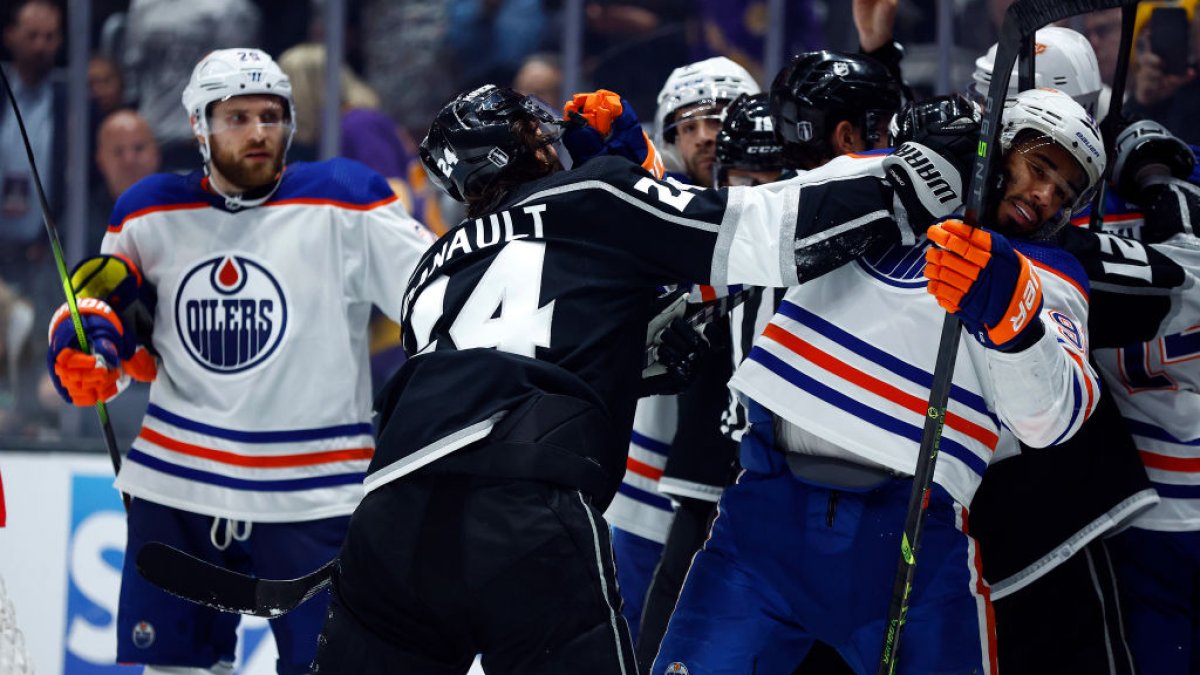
x=918 y=500
x=1116 y=104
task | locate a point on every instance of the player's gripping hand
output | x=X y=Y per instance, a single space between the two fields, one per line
x=994 y=290
x=927 y=185
x=605 y=124
x=86 y=379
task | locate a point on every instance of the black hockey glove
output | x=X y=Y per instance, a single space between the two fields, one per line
x=677 y=348
x=1171 y=206
x=681 y=347
x=926 y=188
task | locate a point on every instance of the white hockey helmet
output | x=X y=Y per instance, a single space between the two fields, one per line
x=715 y=80
x=226 y=73
x=1063 y=60
x=1056 y=116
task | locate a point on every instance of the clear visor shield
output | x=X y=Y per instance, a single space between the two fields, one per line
x=241 y=121
x=550 y=128
x=1067 y=185
x=708 y=109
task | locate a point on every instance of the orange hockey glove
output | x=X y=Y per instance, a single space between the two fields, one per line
x=994 y=290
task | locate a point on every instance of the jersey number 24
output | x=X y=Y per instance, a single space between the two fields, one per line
x=502 y=310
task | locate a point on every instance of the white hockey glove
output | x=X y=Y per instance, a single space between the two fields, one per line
x=926 y=188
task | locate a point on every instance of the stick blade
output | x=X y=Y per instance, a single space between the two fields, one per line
x=204 y=583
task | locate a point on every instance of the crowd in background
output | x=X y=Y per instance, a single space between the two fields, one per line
x=403 y=59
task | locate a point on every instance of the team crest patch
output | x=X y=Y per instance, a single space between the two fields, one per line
x=143 y=635
x=898 y=266
x=676 y=668
x=231 y=313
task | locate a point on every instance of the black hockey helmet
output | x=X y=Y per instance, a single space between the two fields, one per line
x=474 y=138
x=948 y=125
x=819 y=89
x=747 y=138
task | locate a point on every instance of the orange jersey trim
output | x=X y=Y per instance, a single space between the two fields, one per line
x=269 y=462
x=877 y=386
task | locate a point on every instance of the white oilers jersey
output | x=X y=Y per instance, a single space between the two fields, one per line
x=1156 y=384
x=262 y=405
x=849 y=357
x=638 y=506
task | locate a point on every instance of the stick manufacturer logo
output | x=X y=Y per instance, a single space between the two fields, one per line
x=230 y=313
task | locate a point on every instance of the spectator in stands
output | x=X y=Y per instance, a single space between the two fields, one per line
x=1170 y=100
x=404 y=47
x=33 y=35
x=540 y=75
x=488 y=39
x=126 y=152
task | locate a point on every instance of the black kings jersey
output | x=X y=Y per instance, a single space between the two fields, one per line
x=551 y=293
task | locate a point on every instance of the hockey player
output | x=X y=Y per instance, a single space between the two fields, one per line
x=481 y=528
x=1151 y=316
x=806 y=541
x=700 y=460
x=258 y=278
x=833 y=104
x=1052 y=584
x=1064 y=60
x=691 y=107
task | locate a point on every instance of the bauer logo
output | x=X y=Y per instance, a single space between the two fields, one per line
x=231 y=313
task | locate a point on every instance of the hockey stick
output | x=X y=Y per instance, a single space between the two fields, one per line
x=1115 y=116
x=110 y=440
x=216 y=587
x=1021 y=21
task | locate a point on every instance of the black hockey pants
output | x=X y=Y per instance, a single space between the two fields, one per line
x=437 y=568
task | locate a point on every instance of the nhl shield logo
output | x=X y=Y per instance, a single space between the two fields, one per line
x=143 y=634
x=230 y=313
x=841 y=69
x=676 y=668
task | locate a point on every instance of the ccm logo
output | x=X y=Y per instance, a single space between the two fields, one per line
x=1028 y=299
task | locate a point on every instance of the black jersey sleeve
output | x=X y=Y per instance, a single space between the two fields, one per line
x=1135 y=287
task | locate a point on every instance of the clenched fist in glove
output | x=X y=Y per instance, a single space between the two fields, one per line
x=86 y=378
x=925 y=185
x=605 y=124
x=994 y=290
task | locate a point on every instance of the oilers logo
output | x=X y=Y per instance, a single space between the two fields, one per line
x=230 y=313
x=898 y=266
x=143 y=634
x=676 y=668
